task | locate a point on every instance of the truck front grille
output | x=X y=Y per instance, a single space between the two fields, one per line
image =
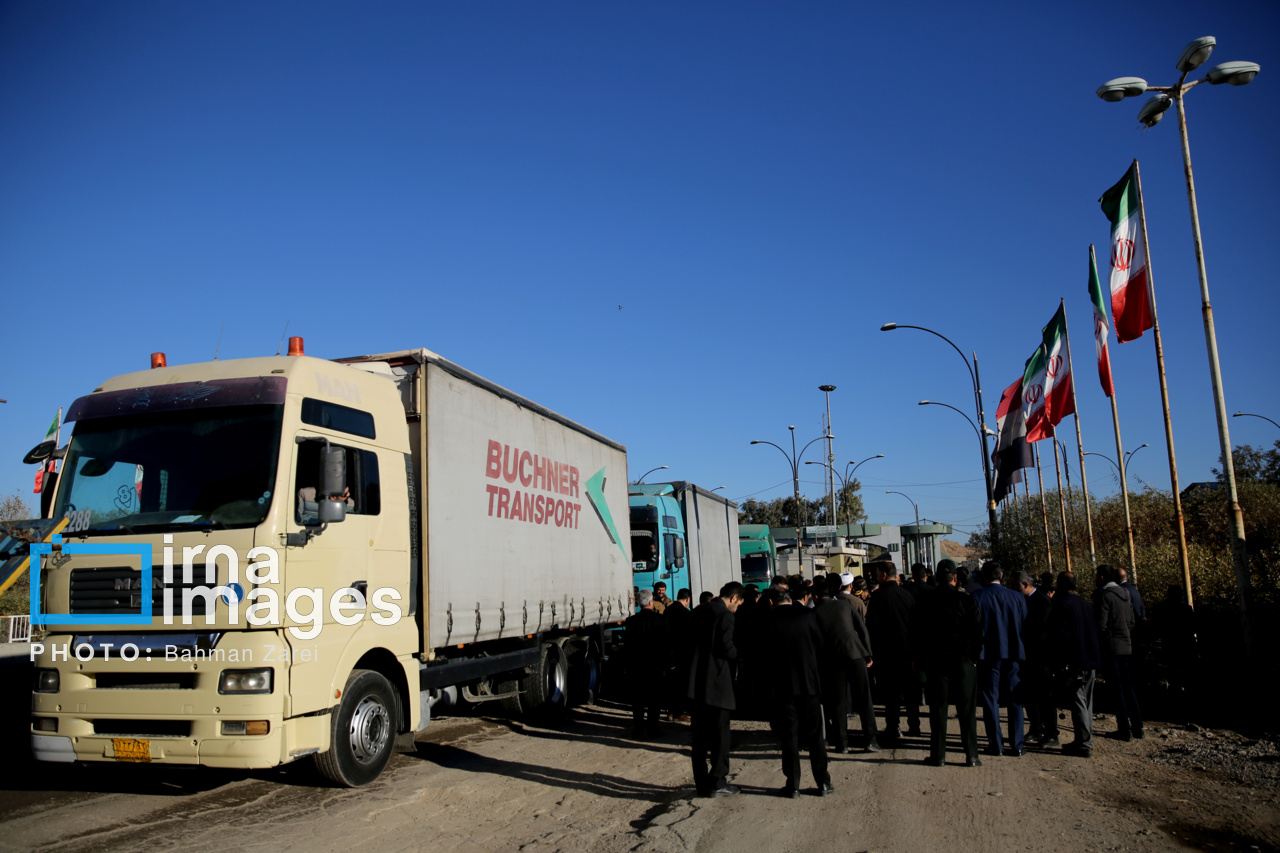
x=142 y=728
x=118 y=591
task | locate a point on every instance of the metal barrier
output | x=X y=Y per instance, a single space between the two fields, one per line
x=19 y=629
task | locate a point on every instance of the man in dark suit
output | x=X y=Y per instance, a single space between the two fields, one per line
x=847 y=649
x=1003 y=612
x=680 y=618
x=711 y=690
x=648 y=659
x=1035 y=670
x=946 y=639
x=1115 y=635
x=795 y=641
x=1073 y=644
x=888 y=617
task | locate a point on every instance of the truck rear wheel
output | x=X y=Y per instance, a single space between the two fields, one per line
x=585 y=670
x=363 y=731
x=546 y=689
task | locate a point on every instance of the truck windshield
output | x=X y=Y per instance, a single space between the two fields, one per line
x=171 y=470
x=644 y=547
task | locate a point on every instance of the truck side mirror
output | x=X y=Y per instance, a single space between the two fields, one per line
x=333 y=485
x=679 y=552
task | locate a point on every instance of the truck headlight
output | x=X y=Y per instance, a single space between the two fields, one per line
x=47 y=681
x=245 y=681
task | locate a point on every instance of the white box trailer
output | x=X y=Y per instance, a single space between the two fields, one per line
x=523 y=521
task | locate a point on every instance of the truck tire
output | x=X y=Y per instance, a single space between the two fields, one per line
x=546 y=689
x=543 y=691
x=363 y=731
x=585 y=671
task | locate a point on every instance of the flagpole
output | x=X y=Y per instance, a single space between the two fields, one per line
x=1044 y=509
x=1164 y=396
x=1124 y=489
x=1062 y=506
x=1084 y=478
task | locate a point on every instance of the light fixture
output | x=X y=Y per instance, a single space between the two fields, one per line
x=1196 y=53
x=1154 y=109
x=1121 y=88
x=1235 y=73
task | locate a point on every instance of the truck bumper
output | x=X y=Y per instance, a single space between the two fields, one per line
x=169 y=712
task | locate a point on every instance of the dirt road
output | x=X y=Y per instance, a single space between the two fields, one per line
x=486 y=783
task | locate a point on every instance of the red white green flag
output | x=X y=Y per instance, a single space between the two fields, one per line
x=51 y=439
x=1132 y=305
x=1101 y=325
x=1046 y=381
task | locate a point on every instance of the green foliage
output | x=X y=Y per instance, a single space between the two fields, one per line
x=16 y=599
x=1021 y=544
x=1253 y=463
x=782 y=512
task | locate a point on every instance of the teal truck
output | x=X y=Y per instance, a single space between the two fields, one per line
x=684 y=536
x=758 y=553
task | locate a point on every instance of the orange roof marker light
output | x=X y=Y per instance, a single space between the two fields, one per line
x=295 y=346
x=158 y=360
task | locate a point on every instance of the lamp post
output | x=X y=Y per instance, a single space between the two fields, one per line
x=831 y=456
x=848 y=474
x=1236 y=415
x=915 y=551
x=793 y=460
x=718 y=488
x=1128 y=456
x=1237 y=74
x=647 y=473
x=982 y=420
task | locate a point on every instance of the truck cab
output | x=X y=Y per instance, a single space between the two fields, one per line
x=658 y=539
x=759 y=554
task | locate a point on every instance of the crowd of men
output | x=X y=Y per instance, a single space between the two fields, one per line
x=806 y=656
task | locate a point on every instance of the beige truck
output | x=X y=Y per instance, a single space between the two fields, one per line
x=273 y=558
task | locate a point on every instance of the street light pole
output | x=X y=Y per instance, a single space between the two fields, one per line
x=848 y=474
x=1236 y=415
x=915 y=551
x=640 y=481
x=982 y=420
x=831 y=456
x=1237 y=74
x=793 y=460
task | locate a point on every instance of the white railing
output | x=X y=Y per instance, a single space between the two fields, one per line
x=19 y=629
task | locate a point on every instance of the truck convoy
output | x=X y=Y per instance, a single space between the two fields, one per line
x=272 y=558
x=684 y=536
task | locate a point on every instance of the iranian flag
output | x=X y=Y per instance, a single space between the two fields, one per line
x=1101 y=325
x=51 y=440
x=1012 y=451
x=1131 y=300
x=1046 y=381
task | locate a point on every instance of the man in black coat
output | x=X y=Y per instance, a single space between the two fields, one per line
x=844 y=660
x=946 y=634
x=1073 y=652
x=888 y=620
x=795 y=641
x=1036 y=692
x=711 y=690
x=648 y=658
x=1116 y=621
x=680 y=619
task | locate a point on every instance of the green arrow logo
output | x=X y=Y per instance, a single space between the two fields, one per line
x=595 y=494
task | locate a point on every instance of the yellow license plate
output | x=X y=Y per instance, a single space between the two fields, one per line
x=131 y=749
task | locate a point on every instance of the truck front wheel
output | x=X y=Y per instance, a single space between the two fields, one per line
x=363 y=732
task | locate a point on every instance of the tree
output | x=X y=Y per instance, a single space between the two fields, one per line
x=13 y=507
x=1253 y=463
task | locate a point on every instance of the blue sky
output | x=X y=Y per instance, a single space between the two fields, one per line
x=670 y=221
